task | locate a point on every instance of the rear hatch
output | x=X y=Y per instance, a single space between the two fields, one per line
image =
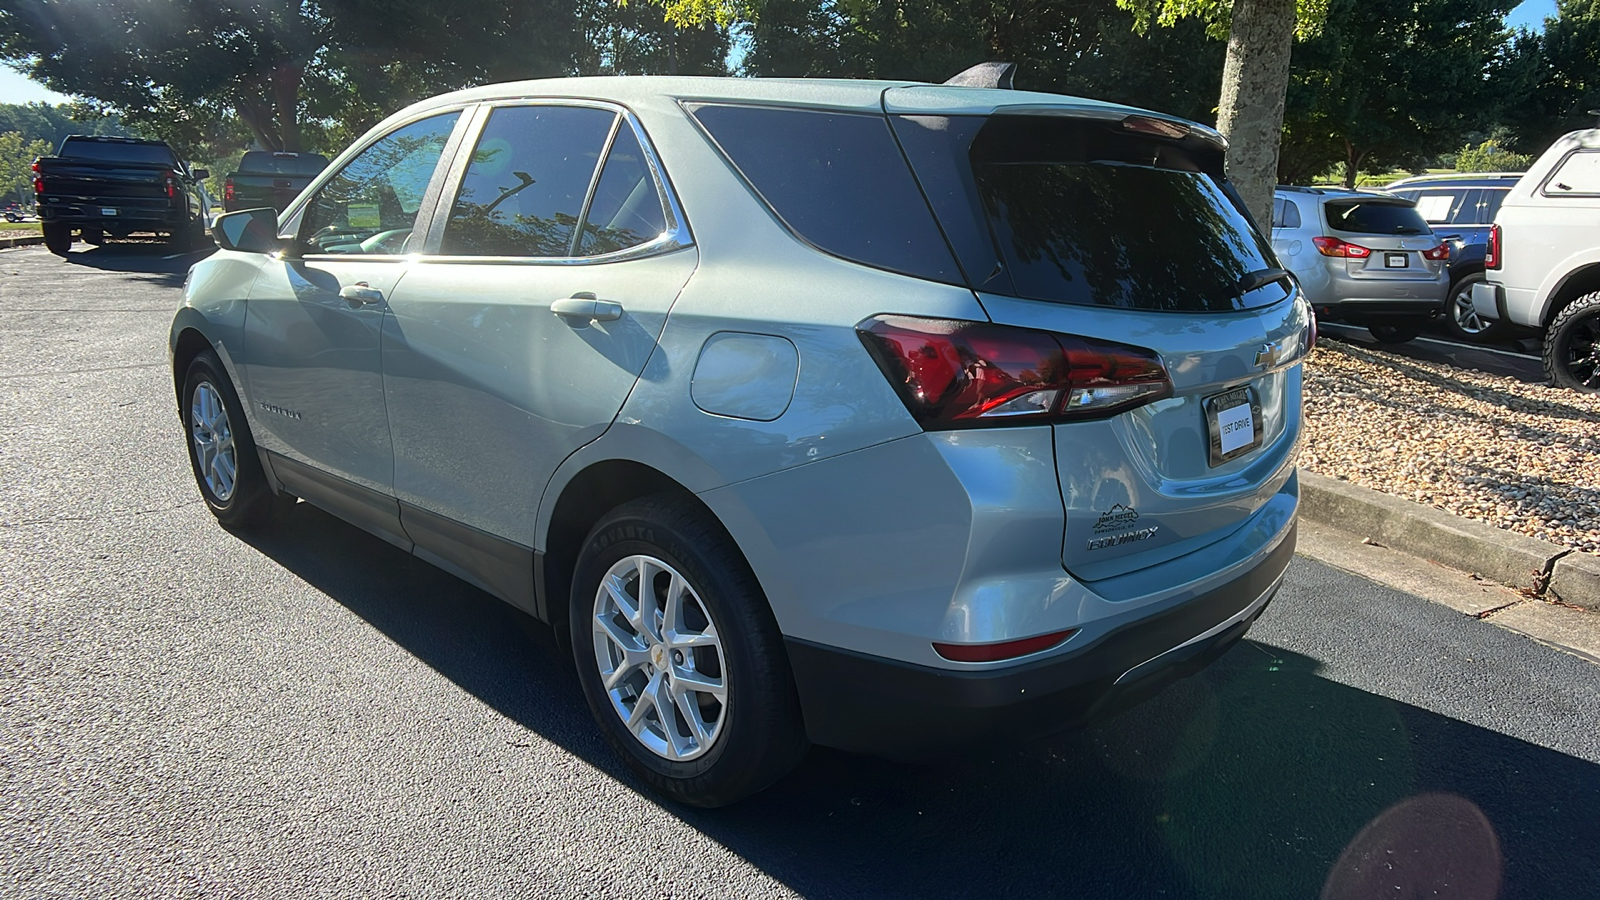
x=1402 y=246
x=1117 y=226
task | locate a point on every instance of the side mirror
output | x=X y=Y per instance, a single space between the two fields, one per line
x=248 y=231
x=201 y=174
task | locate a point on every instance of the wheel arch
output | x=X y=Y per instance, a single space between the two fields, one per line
x=1580 y=282
x=187 y=343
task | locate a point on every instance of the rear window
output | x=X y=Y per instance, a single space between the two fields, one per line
x=1285 y=214
x=1578 y=175
x=838 y=181
x=118 y=151
x=1085 y=212
x=1377 y=215
x=282 y=163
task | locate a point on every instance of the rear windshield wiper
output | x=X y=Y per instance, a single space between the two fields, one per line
x=1260 y=279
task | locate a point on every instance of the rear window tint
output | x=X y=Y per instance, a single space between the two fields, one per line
x=1285 y=214
x=1375 y=216
x=117 y=151
x=282 y=163
x=838 y=181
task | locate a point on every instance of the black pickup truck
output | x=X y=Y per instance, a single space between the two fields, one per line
x=267 y=178
x=101 y=187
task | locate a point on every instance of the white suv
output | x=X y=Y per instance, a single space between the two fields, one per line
x=1543 y=259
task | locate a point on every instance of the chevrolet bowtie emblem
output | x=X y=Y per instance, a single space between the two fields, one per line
x=1271 y=354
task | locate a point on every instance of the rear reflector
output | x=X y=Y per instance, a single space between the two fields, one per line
x=1003 y=650
x=953 y=374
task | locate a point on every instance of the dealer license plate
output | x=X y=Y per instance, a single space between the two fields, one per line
x=107 y=211
x=1397 y=260
x=1233 y=423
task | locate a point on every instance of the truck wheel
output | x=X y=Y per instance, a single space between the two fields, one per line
x=57 y=237
x=92 y=236
x=1572 y=346
x=1463 y=320
x=679 y=655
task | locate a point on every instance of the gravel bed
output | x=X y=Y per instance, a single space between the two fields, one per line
x=1524 y=457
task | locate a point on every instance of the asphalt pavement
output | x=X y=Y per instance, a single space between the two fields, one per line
x=308 y=712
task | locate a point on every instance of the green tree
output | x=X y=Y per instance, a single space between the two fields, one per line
x=17 y=154
x=1491 y=156
x=1559 y=76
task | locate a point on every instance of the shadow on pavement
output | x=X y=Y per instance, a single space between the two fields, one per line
x=166 y=263
x=1255 y=779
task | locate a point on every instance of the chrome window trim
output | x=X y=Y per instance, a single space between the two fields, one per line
x=676 y=236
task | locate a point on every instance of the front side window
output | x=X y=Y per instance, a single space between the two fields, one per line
x=371 y=205
x=524 y=189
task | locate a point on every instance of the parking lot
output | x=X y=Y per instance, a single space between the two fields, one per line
x=186 y=712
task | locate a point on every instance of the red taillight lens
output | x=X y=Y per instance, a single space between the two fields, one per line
x=227 y=189
x=172 y=184
x=1491 y=255
x=974 y=374
x=1002 y=650
x=1332 y=246
x=1440 y=252
x=38 y=179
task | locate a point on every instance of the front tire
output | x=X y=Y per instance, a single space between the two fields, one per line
x=1462 y=319
x=1572 y=346
x=222 y=452
x=679 y=656
x=57 y=237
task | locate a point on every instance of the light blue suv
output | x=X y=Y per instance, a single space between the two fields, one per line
x=878 y=415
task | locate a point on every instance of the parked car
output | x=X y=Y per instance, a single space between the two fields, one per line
x=1362 y=257
x=1544 y=260
x=268 y=178
x=16 y=212
x=99 y=187
x=727 y=380
x=1462 y=207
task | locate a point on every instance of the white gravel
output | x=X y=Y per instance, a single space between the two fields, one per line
x=1524 y=457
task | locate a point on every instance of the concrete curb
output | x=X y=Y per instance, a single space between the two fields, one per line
x=1470 y=546
x=20 y=240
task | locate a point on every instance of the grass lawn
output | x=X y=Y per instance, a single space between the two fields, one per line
x=18 y=227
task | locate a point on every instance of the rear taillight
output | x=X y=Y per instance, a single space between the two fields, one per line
x=975 y=374
x=1002 y=650
x=1332 y=246
x=227 y=190
x=1491 y=255
x=1438 y=253
x=172 y=184
x=38 y=179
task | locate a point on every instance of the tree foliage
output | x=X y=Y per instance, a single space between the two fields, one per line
x=17 y=154
x=1491 y=156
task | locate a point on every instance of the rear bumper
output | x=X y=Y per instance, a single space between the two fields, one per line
x=131 y=215
x=1489 y=300
x=1378 y=310
x=884 y=707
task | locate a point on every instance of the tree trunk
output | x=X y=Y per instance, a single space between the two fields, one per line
x=1352 y=163
x=1255 y=81
x=286 y=100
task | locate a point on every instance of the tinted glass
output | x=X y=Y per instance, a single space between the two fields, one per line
x=1578 y=174
x=1440 y=206
x=1375 y=216
x=839 y=181
x=524 y=189
x=116 y=151
x=626 y=208
x=1285 y=214
x=1489 y=204
x=371 y=205
x=1078 y=219
x=282 y=163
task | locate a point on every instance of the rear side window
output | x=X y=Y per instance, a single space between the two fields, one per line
x=626 y=209
x=838 y=181
x=1285 y=214
x=525 y=187
x=1453 y=206
x=1489 y=204
x=1578 y=175
x=1375 y=216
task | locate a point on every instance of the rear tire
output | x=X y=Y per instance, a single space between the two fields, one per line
x=57 y=237
x=222 y=451
x=1461 y=317
x=665 y=608
x=1394 y=334
x=92 y=236
x=1572 y=346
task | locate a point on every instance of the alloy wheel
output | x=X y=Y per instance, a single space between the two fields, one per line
x=212 y=435
x=1583 y=352
x=1465 y=314
x=660 y=658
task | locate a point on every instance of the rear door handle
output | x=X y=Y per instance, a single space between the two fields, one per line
x=360 y=294
x=583 y=308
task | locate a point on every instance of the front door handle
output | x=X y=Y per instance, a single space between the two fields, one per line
x=583 y=308
x=360 y=294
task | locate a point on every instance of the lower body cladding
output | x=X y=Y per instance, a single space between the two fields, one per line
x=1362 y=312
x=870 y=558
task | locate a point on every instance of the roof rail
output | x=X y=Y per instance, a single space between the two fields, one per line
x=986 y=75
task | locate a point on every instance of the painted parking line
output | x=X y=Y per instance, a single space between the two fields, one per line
x=1477 y=348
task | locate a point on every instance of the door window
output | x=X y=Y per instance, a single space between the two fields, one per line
x=1579 y=174
x=525 y=186
x=1489 y=204
x=1444 y=207
x=371 y=205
